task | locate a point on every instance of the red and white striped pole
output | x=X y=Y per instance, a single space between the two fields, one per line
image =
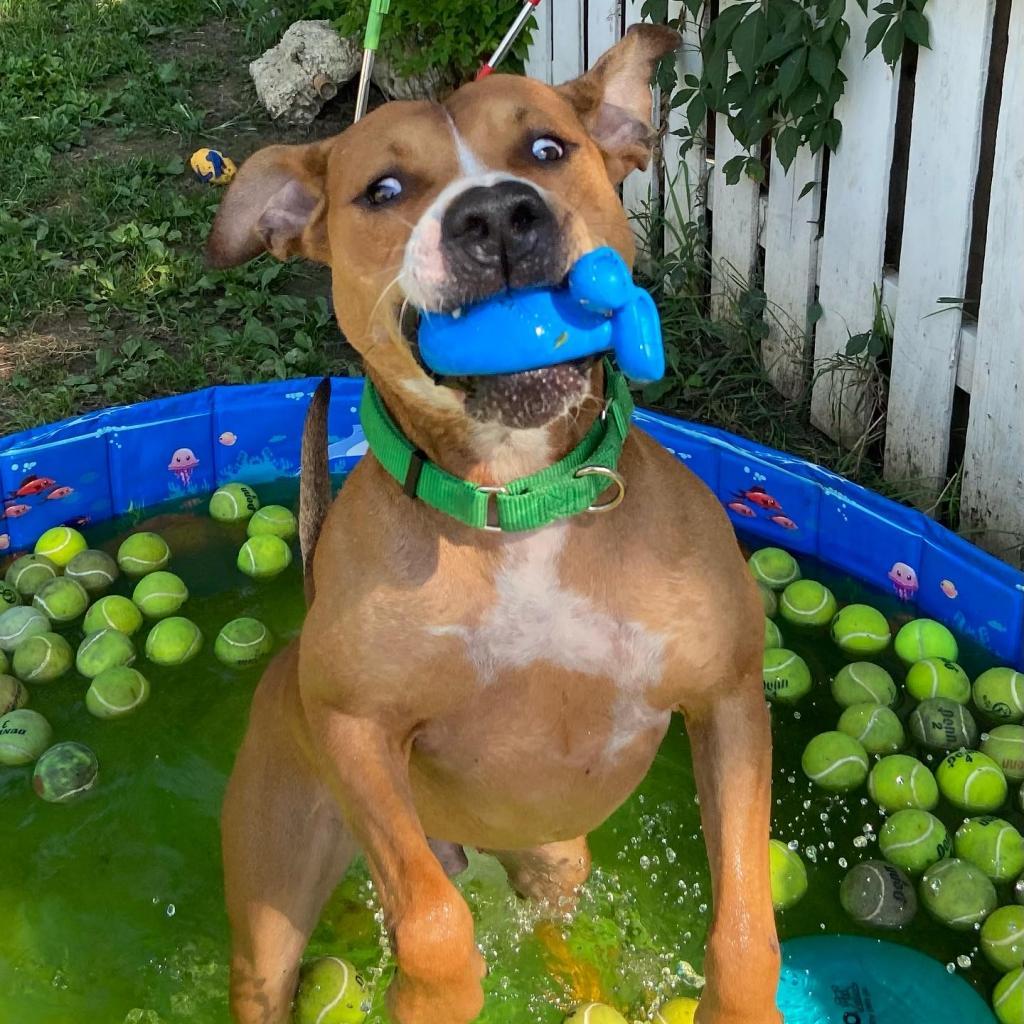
x=510 y=37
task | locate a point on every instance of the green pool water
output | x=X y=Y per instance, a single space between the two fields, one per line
x=111 y=908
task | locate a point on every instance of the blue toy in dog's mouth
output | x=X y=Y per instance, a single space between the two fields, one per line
x=598 y=309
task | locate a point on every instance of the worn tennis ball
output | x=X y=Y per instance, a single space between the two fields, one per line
x=860 y=629
x=331 y=992
x=772 y=635
x=233 y=503
x=60 y=544
x=243 y=641
x=29 y=572
x=65 y=771
x=1008 y=998
x=899 y=782
x=914 y=840
x=807 y=603
x=942 y=724
x=874 y=726
x=788 y=875
x=786 y=676
x=835 y=761
x=971 y=781
x=774 y=567
x=43 y=658
x=95 y=570
x=879 y=895
x=681 y=1010
x=264 y=557
x=24 y=735
x=936 y=677
x=275 y=520
x=862 y=682
x=117 y=692
x=61 y=600
x=1002 y=938
x=596 y=1013
x=113 y=612
x=1005 y=745
x=143 y=553
x=9 y=595
x=106 y=648
x=173 y=641
x=768 y=599
x=19 y=623
x=925 y=638
x=993 y=845
x=13 y=694
x=999 y=692
x=958 y=894
x=160 y=594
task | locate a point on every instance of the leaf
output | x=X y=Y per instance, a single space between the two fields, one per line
x=777 y=47
x=821 y=63
x=786 y=145
x=733 y=169
x=857 y=343
x=696 y=112
x=167 y=72
x=876 y=344
x=915 y=26
x=814 y=312
x=747 y=42
x=863 y=4
x=833 y=133
x=791 y=72
x=809 y=187
x=892 y=44
x=804 y=99
x=755 y=170
x=875 y=32
x=725 y=24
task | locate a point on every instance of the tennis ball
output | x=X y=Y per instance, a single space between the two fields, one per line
x=999 y=692
x=925 y=638
x=860 y=629
x=936 y=677
x=142 y=553
x=60 y=544
x=106 y=648
x=772 y=635
x=159 y=594
x=116 y=692
x=1002 y=938
x=786 y=676
x=64 y=772
x=971 y=781
x=275 y=520
x=1005 y=745
x=19 y=623
x=835 y=762
x=113 y=612
x=61 y=600
x=1008 y=998
x=95 y=570
x=788 y=875
x=878 y=894
x=774 y=567
x=862 y=682
x=899 y=782
x=942 y=724
x=807 y=603
x=957 y=894
x=681 y=1010
x=173 y=641
x=914 y=840
x=993 y=845
x=43 y=658
x=24 y=735
x=28 y=573
x=331 y=992
x=243 y=641
x=12 y=694
x=233 y=503
x=768 y=599
x=9 y=595
x=264 y=557
x=874 y=726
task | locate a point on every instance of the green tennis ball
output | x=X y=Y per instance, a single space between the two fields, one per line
x=61 y=600
x=28 y=573
x=768 y=599
x=941 y=724
x=899 y=782
x=835 y=761
x=971 y=781
x=999 y=692
x=681 y=1010
x=160 y=594
x=1002 y=938
x=596 y=1013
x=173 y=641
x=13 y=694
x=243 y=641
x=19 y=623
x=5 y=665
x=233 y=503
x=860 y=629
x=60 y=544
x=874 y=726
x=993 y=845
x=807 y=603
x=788 y=875
x=1008 y=998
x=879 y=895
x=106 y=648
x=774 y=567
x=275 y=520
x=786 y=676
x=65 y=772
x=117 y=692
x=772 y=635
x=113 y=612
x=1005 y=745
x=43 y=658
x=935 y=677
x=143 y=553
x=24 y=735
x=914 y=840
x=331 y=992
x=925 y=638
x=9 y=595
x=264 y=557
x=957 y=894
x=95 y=570
x=862 y=682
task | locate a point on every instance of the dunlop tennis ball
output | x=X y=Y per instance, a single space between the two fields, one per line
x=113 y=612
x=879 y=895
x=94 y=570
x=9 y=595
x=942 y=724
x=914 y=840
x=233 y=503
x=43 y=658
x=774 y=567
x=925 y=638
x=807 y=603
x=859 y=629
x=24 y=735
x=993 y=845
x=143 y=553
x=13 y=694
x=874 y=726
x=159 y=594
x=835 y=761
x=242 y=642
x=899 y=782
x=106 y=648
x=1002 y=938
x=332 y=992
x=61 y=600
x=681 y=1010
x=935 y=677
x=971 y=781
x=65 y=772
x=786 y=676
x=999 y=692
x=275 y=520
x=1005 y=745
x=19 y=623
x=264 y=557
x=117 y=692
x=862 y=682
x=1008 y=998
x=29 y=572
x=957 y=894
x=788 y=875
x=60 y=544
x=772 y=635
x=173 y=641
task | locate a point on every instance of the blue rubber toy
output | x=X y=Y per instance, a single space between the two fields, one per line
x=599 y=309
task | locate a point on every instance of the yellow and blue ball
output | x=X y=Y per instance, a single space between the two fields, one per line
x=212 y=166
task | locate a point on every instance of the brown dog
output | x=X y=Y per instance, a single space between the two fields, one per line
x=501 y=690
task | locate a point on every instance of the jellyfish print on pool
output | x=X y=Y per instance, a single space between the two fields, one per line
x=904 y=581
x=182 y=463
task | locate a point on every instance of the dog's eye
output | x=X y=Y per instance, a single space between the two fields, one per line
x=383 y=190
x=547 y=148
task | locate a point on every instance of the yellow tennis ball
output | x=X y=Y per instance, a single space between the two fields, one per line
x=860 y=629
x=874 y=726
x=143 y=553
x=935 y=677
x=117 y=692
x=925 y=638
x=113 y=612
x=61 y=600
x=159 y=594
x=60 y=544
x=914 y=840
x=331 y=992
x=774 y=567
x=971 y=781
x=17 y=624
x=958 y=894
x=275 y=520
x=243 y=641
x=234 y=503
x=999 y=692
x=95 y=570
x=1005 y=745
x=13 y=694
x=785 y=675
x=835 y=761
x=106 y=648
x=596 y=1013
x=681 y=1010
x=1008 y=998
x=862 y=682
x=263 y=557
x=772 y=635
x=993 y=845
x=807 y=603
x=173 y=641
x=900 y=782
x=43 y=658
x=788 y=875
x=1002 y=938
x=24 y=735
x=29 y=572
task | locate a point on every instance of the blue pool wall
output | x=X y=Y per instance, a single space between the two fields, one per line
x=123 y=459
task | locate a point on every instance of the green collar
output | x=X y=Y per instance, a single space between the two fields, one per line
x=568 y=487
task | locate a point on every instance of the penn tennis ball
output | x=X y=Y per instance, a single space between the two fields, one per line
x=60 y=544
x=13 y=694
x=29 y=572
x=925 y=638
x=160 y=594
x=106 y=648
x=173 y=641
x=835 y=761
x=860 y=629
x=142 y=553
x=874 y=726
x=65 y=771
x=788 y=875
x=786 y=676
x=807 y=603
x=862 y=682
x=275 y=520
x=1005 y=745
x=233 y=503
x=993 y=845
x=24 y=735
x=971 y=781
x=117 y=692
x=772 y=635
x=95 y=570
x=331 y=992
x=942 y=724
x=681 y=1010
x=43 y=658
x=900 y=782
x=936 y=677
x=61 y=600
x=768 y=599
x=242 y=642
x=1002 y=938
x=19 y=623
x=9 y=595
x=774 y=567
x=1008 y=998
x=264 y=557
x=879 y=895
x=999 y=692
x=957 y=894
x=914 y=840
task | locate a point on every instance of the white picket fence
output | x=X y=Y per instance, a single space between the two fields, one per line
x=832 y=251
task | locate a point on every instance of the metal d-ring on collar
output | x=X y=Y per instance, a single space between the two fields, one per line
x=614 y=477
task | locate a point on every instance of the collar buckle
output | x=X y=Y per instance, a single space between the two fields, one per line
x=492 y=489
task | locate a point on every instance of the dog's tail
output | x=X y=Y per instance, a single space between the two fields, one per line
x=314 y=480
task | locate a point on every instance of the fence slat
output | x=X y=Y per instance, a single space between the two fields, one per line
x=604 y=26
x=539 y=56
x=854 y=238
x=568 y=19
x=639 y=187
x=944 y=149
x=992 y=499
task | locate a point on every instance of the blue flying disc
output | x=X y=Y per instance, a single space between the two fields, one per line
x=846 y=979
x=598 y=309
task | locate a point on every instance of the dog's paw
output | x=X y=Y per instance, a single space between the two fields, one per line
x=453 y=999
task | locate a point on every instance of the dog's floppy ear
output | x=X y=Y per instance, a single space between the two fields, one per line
x=277 y=204
x=613 y=99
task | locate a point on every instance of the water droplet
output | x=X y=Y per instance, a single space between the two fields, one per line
x=170 y=910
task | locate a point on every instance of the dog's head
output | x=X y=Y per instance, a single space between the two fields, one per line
x=423 y=206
